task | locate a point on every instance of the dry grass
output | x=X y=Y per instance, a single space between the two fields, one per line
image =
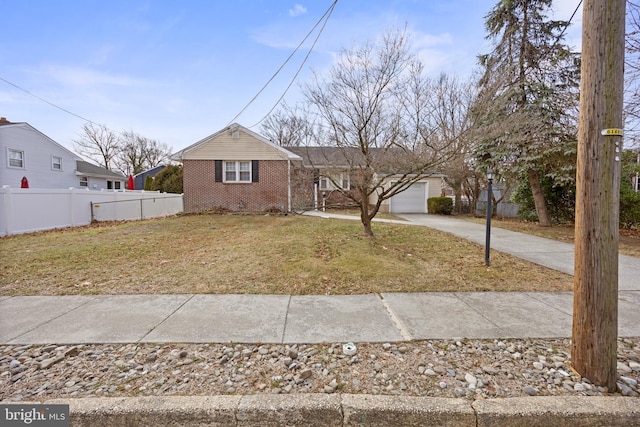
x=257 y=254
x=629 y=239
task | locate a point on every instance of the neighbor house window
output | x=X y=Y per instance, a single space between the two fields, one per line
x=325 y=184
x=56 y=163
x=117 y=183
x=237 y=171
x=342 y=180
x=345 y=182
x=84 y=181
x=16 y=159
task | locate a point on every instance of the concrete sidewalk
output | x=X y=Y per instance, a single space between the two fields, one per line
x=387 y=317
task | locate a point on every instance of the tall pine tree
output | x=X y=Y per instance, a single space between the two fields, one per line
x=527 y=108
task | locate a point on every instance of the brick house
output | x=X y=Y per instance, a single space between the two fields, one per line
x=236 y=169
x=323 y=169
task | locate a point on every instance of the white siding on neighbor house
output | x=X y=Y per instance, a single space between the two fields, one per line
x=225 y=147
x=39 y=151
x=101 y=183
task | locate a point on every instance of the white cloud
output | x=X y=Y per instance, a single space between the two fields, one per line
x=81 y=76
x=297 y=10
x=421 y=40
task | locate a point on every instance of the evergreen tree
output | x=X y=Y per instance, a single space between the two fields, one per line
x=527 y=109
x=168 y=180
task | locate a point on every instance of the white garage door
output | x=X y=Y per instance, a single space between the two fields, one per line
x=411 y=200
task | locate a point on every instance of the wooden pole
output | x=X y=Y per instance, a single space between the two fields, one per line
x=595 y=306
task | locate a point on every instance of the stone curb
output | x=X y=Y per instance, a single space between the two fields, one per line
x=351 y=410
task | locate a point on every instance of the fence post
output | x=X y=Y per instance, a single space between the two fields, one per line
x=72 y=197
x=8 y=211
x=141 y=214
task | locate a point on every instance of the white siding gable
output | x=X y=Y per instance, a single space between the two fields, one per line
x=235 y=143
x=40 y=154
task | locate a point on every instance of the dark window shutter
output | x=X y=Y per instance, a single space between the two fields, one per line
x=218 y=170
x=254 y=171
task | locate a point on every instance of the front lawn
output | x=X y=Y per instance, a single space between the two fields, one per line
x=257 y=254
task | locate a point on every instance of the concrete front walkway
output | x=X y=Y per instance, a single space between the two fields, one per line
x=550 y=253
x=387 y=317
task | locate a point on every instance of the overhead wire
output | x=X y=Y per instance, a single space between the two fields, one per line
x=62 y=108
x=295 y=76
x=47 y=102
x=325 y=18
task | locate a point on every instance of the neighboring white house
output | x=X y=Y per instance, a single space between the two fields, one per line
x=27 y=153
x=98 y=178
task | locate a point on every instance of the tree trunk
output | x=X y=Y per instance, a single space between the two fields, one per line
x=538 y=198
x=365 y=218
x=595 y=284
x=457 y=206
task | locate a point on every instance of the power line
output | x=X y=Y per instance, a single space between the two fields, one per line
x=47 y=102
x=326 y=14
x=568 y=22
x=299 y=69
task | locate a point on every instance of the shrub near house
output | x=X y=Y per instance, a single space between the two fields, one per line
x=440 y=205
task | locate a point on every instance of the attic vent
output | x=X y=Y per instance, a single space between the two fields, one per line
x=235 y=134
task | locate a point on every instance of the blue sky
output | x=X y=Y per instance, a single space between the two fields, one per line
x=177 y=71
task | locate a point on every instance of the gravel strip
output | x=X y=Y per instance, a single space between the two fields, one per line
x=475 y=369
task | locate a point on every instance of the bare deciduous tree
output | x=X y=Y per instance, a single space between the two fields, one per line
x=632 y=75
x=138 y=153
x=127 y=152
x=452 y=100
x=99 y=144
x=375 y=109
x=288 y=127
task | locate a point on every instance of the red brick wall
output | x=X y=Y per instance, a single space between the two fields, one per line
x=302 y=194
x=201 y=192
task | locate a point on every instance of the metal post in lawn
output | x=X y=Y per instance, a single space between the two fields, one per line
x=487 y=245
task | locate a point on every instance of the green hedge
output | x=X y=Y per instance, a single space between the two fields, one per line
x=440 y=205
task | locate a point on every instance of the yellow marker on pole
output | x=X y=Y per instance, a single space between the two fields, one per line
x=612 y=132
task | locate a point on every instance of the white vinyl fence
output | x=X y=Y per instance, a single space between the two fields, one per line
x=35 y=209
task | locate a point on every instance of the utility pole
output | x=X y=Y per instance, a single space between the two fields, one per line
x=595 y=290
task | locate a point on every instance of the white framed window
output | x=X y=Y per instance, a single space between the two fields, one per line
x=342 y=179
x=325 y=184
x=84 y=181
x=16 y=159
x=237 y=171
x=56 y=163
x=345 y=181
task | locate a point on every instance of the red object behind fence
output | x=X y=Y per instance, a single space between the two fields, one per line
x=24 y=183
x=131 y=185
